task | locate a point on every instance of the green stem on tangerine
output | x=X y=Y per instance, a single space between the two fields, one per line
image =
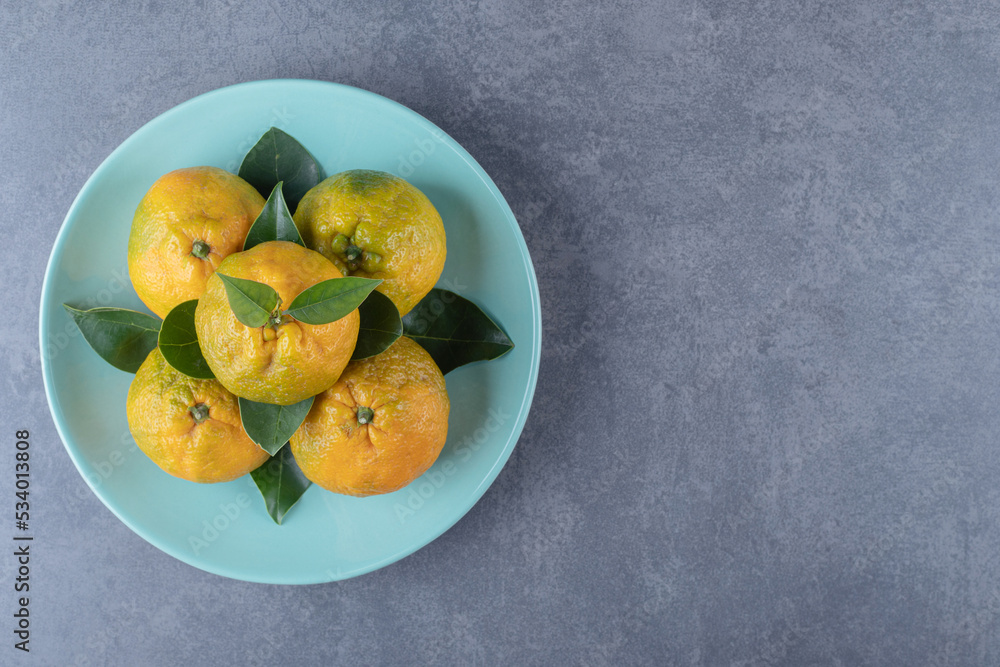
x=352 y=252
x=277 y=317
x=365 y=415
x=200 y=249
x=199 y=411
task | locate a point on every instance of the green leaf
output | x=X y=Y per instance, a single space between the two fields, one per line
x=123 y=338
x=278 y=157
x=380 y=326
x=179 y=342
x=330 y=300
x=274 y=223
x=252 y=302
x=454 y=330
x=281 y=483
x=270 y=426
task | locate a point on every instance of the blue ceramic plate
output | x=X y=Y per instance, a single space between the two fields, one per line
x=223 y=528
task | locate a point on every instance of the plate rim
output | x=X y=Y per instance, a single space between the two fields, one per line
x=296 y=579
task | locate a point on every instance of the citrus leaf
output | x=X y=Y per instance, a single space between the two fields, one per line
x=454 y=330
x=252 y=302
x=270 y=426
x=330 y=300
x=277 y=157
x=281 y=483
x=380 y=326
x=274 y=223
x=179 y=342
x=123 y=338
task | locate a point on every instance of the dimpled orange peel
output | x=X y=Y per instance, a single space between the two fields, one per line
x=190 y=428
x=186 y=224
x=382 y=425
x=378 y=226
x=281 y=364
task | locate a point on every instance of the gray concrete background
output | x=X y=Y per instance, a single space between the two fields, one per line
x=766 y=237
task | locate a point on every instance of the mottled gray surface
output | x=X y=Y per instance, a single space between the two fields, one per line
x=767 y=241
